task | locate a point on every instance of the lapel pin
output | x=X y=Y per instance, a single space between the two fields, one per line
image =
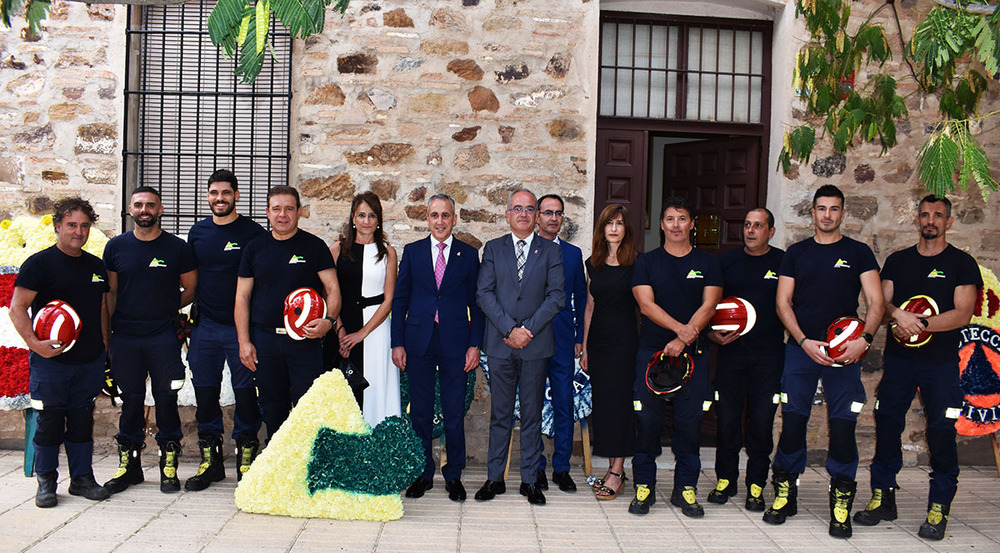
x=536 y=252
x=458 y=254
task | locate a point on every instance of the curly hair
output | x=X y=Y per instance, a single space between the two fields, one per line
x=66 y=206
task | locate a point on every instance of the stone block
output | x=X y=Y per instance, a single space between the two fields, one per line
x=406 y=64
x=453 y=189
x=565 y=129
x=96 y=138
x=970 y=215
x=381 y=154
x=830 y=166
x=40 y=205
x=81 y=58
x=381 y=99
x=418 y=194
x=558 y=65
x=473 y=157
x=467 y=69
x=9 y=171
x=500 y=23
x=483 y=99
x=478 y=215
x=512 y=72
x=107 y=93
x=40 y=138
x=506 y=134
x=466 y=134
x=27 y=85
x=444 y=47
x=431 y=102
x=73 y=93
x=862 y=207
x=101 y=174
x=864 y=173
x=469 y=239
x=101 y=12
x=333 y=187
x=358 y=62
x=434 y=158
x=449 y=19
x=10 y=63
x=385 y=189
x=990 y=241
x=327 y=95
x=397 y=18
x=418 y=212
x=55 y=176
x=67 y=111
x=901 y=174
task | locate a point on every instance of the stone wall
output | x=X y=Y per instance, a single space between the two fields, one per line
x=471 y=98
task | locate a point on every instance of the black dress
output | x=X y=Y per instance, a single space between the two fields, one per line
x=611 y=348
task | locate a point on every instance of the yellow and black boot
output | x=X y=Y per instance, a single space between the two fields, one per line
x=842 y=492
x=937 y=522
x=882 y=506
x=129 y=470
x=686 y=498
x=786 y=496
x=246 y=452
x=170 y=451
x=724 y=489
x=755 y=498
x=211 y=469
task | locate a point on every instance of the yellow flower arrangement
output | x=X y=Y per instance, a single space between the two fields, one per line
x=987 y=312
x=277 y=482
x=27 y=235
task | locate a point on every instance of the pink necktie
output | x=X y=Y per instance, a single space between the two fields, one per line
x=439 y=271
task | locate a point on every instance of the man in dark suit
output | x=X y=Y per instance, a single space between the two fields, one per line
x=520 y=291
x=568 y=327
x=437 y=326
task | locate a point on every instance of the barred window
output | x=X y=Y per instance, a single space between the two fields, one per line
x=187 y=114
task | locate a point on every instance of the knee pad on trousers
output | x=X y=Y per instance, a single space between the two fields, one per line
x=50 y=429
x=247 y=410
x=793 y=432
x=843 y=445
x=80 y=424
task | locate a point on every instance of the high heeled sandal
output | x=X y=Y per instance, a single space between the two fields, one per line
x=606 y=493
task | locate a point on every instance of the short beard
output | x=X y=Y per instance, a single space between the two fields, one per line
x=927 y=235
x=145 y=224
x=229 y=209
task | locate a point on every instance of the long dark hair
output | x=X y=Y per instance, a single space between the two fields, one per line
x=350 y=233
x=627 y=251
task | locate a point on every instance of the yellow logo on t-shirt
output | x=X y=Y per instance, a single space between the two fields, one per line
x=96 y=278
x=936 y=273
x=694 y=274
x=297 y=259
x=230 y=246
x=770 y=275
x=841 y=264
x=159 y=263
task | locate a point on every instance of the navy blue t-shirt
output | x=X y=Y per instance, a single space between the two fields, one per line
x=755 y=279
x=149 y=276
x=79 y=281
x=278 y=267
x=935 y=276
x=217 y=249
x=678 y=284
x=827 y=281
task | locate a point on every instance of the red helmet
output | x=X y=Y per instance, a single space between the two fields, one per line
x=302 y=306
x=666 y=375
x=734 y=314
x=840 y=332
x=920 y=305
x=57 y=321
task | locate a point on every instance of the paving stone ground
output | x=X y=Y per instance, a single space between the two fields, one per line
x=144 y=520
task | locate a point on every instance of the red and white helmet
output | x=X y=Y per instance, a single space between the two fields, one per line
x=840 y=332
x=302 y=306
x=666 y=375
x=734 y=314
x=925 y=306
x=57 y=321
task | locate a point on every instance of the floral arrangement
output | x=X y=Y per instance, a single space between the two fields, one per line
x=979 y=363
x=326 y=462
x=987 y=311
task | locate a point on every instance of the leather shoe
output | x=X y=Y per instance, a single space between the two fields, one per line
x=533 y=493
x=419 y=486
x=564 y=480
x=541 y=480
x=455 y=489
x=491 y=489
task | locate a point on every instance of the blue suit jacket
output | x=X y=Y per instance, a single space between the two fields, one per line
x=568 y=324
x=417 y=298
x=532 y=302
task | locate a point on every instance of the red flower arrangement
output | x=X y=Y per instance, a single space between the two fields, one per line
x=7 y=288
x=13 y=371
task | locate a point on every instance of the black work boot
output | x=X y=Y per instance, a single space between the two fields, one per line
x=755 y=498
x=211 y=468
x=686 y=498
x=169 y=452
x=786 y=494
x=88 y=487
x=882 y=506
x=645 y=497
x=937 y=521
x=724 y=489
x=246 y=452
x=842 y=492
x=45 y=497
x=129 y=467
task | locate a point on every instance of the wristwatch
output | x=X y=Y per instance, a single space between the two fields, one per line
x=868 y=337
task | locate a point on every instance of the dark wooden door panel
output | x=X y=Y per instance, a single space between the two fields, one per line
x=621 y=175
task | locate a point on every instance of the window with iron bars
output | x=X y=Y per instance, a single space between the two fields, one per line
x=187 y=115
x=682 y=68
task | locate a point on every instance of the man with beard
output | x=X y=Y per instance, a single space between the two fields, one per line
x=949 y=277
x=152 y=275
x=218 y=243
x=64 y=381
x=819 y=281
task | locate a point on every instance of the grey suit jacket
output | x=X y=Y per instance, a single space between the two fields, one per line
x=532 y=302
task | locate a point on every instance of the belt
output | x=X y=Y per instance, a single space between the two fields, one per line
x=269 y=329
x=368 y=302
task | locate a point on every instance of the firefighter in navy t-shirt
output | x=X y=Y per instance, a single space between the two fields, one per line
x=273 y=266
x=749 y=366
x=950 y=277
x=65 y=378
x=152 y=275
x=218 y=242
x=677 y=288
x=819 y=281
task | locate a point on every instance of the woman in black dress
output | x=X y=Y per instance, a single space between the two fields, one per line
x=611 y=335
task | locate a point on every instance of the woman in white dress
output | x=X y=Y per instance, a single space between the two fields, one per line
x=366 y=268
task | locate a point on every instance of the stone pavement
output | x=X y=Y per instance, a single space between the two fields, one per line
x=143 y=520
